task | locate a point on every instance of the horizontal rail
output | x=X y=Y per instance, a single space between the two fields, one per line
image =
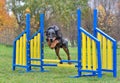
x=106 y=70
x=48 y=60
x=89 y=35
x=20 y=66
x=52 y=60
x=35 y=65
x=66 y=65
x=21 y=34
x=88 y=70
x=57 y=65
x=104 y=34
x=35 y=59
x=61 y=65
x=74 y=61
x=90 y=74
x=35 y=34
x=49 y=64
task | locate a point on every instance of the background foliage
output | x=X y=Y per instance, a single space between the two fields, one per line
x=61 y=13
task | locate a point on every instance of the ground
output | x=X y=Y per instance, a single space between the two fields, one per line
x=56 y=75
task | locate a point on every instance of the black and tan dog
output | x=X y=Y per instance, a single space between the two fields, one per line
x=56 y=41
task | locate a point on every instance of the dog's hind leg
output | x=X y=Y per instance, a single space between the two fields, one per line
x=67 y=52
x=57 y=49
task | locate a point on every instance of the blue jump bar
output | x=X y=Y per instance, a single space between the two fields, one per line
x=35 y=34
x=104 y=34
x=91 y=36
x=35 y=65
x=74 y=61
x=88 y=71
x=35 y=59
x=90 y=75
x=50 y=65
x=20 y=66
x=55 y=65
x=107 y=70
x=19 y=36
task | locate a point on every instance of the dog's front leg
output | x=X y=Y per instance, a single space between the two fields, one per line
x=67 y=52
x=57 y=49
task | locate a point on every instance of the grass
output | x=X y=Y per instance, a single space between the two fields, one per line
x=56 y=75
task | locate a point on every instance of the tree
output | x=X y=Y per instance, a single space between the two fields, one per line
x=60 y=12
x=108 y=18
x=5 y=20
x=116 y=29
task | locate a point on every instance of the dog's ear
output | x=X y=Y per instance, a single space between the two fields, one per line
x=56 y=28
x=57 y=31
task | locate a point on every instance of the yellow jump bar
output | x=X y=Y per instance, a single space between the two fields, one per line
x=48 y=60
x=66 y=65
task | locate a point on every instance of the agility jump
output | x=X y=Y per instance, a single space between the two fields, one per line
x=93 y=50
x=108 y=48
x=104 y=58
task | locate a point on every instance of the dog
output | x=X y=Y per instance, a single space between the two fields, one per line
x=56 y=41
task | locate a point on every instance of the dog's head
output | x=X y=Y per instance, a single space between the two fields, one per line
x=51 y=33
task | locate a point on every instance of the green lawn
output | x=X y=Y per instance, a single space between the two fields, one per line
x=56 y=75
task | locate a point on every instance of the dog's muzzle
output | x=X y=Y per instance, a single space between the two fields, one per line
x=52 y=39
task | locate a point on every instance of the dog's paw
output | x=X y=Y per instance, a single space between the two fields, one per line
x=69 y=63
x=61 y=62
